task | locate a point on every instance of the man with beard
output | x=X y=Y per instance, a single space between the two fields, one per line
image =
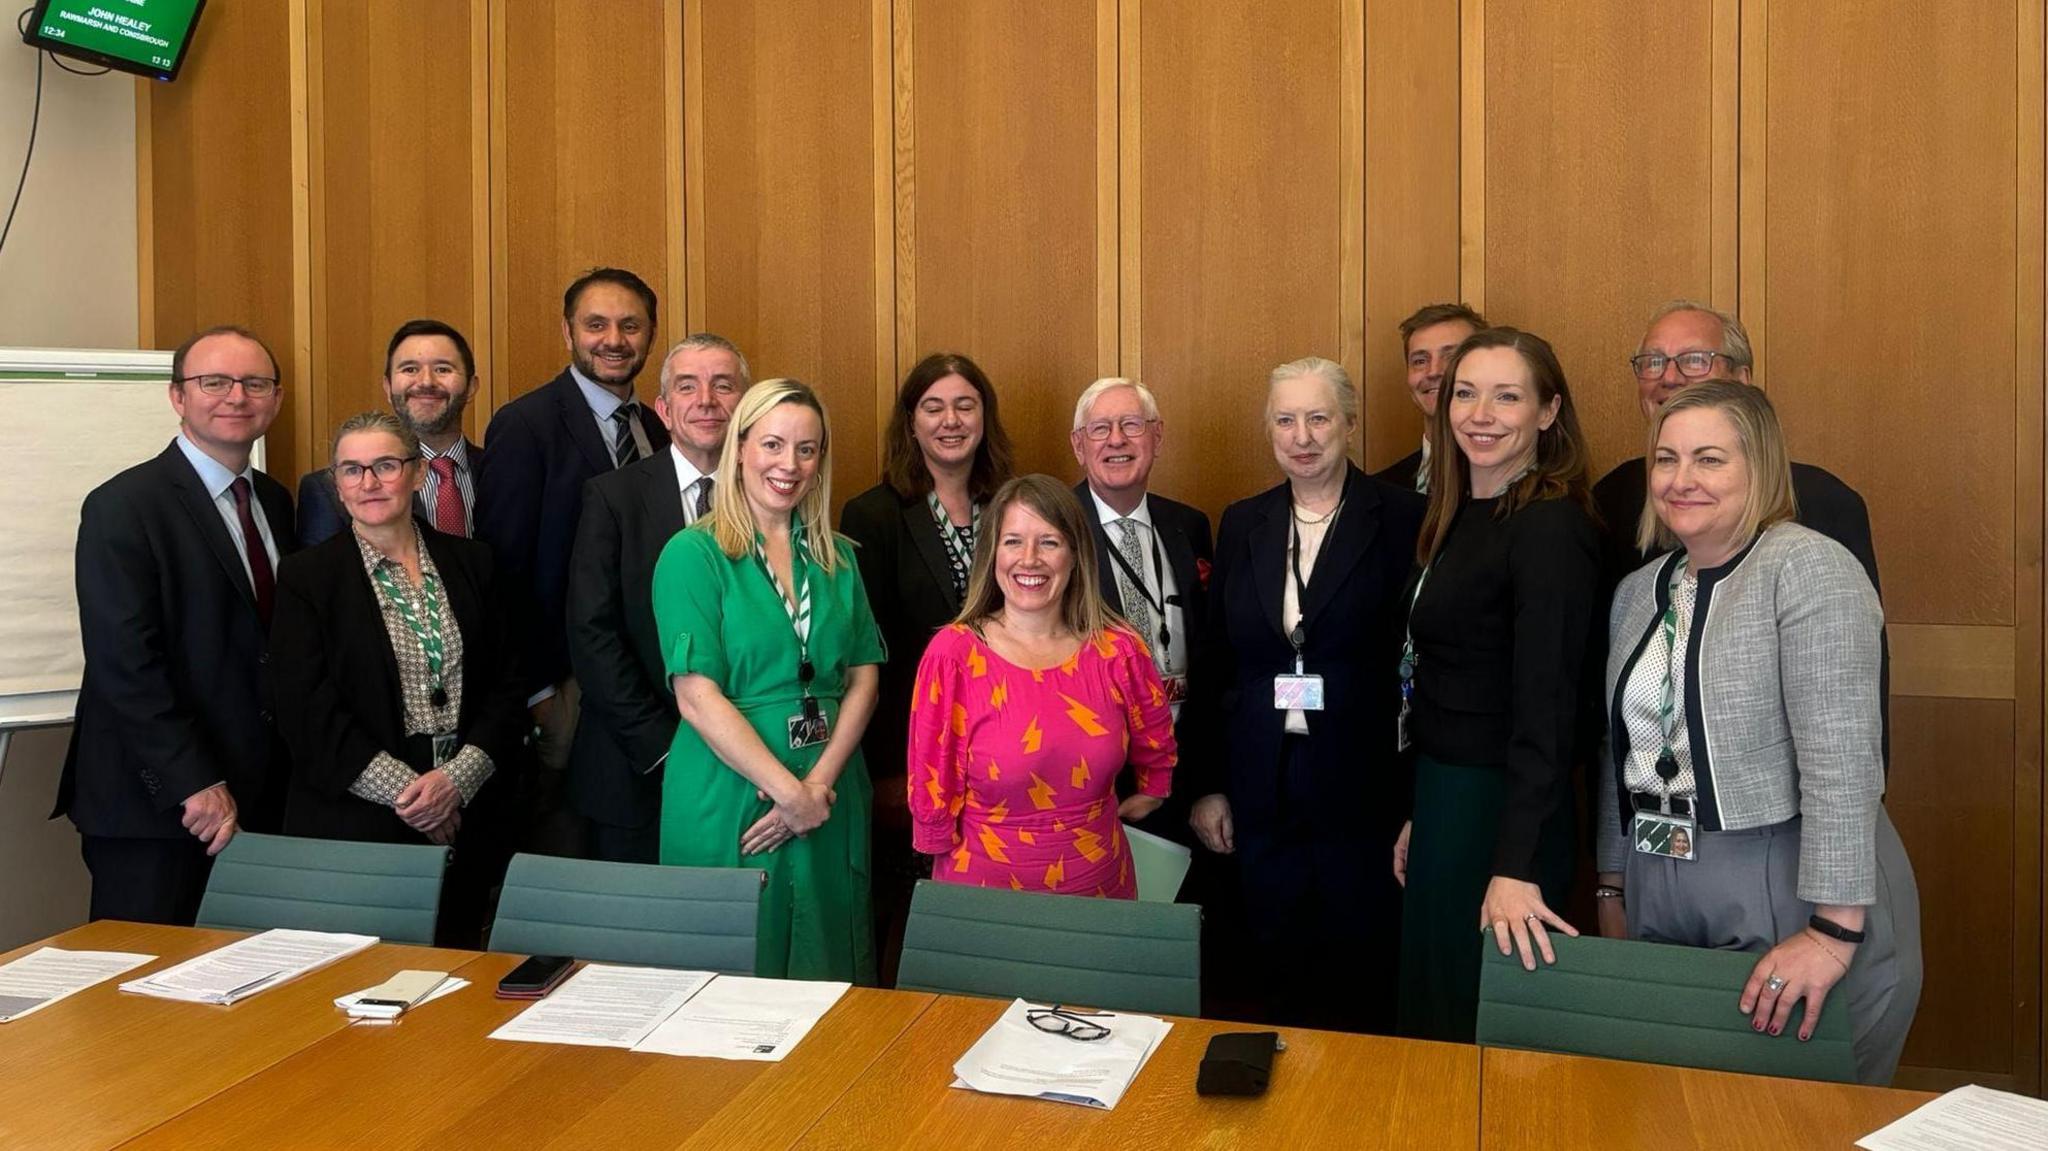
x=430 y=376
x=629 y=710
x=544 y=446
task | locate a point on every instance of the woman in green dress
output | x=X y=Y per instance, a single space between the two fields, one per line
x=772 y=651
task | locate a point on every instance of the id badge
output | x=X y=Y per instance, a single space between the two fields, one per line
x=1401 y=740
x=1176 y=687
x=1298 y=691
x=1671 y=836
x=809 y=727
x=445 y=747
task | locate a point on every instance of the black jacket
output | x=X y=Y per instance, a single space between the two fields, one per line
x=337 y=684
x=529 y=492
x=629 y=710
x=173 y=699
x=909 y=580
x=1401 y=473
x=1353 y=617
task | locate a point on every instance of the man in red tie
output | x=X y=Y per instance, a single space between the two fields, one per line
x=430 y=376
x=173 y=749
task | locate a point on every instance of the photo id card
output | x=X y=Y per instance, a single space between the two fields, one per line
x=445 y=747
x=1671 y=836
x=808 y=729
x=1298 y=691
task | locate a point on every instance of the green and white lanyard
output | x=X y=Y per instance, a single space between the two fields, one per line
x=1667 y=695
x=959 y=541
x=428 y=631
x=799 y=605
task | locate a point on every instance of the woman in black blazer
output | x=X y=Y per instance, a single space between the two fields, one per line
x=946 y=455
x=396 y=690
x=1309 y=799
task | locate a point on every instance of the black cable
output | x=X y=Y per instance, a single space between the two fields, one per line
x=35 y=118
x=59 y=62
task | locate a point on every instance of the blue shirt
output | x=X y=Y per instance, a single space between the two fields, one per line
x=216 y=478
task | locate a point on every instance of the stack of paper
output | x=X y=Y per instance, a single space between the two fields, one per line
x=1015 y=1058
x=242 y=968
x=738 y=1017
x=605 y=1006
x=352 y=1002
x=1967 y=1119
x=48 y=974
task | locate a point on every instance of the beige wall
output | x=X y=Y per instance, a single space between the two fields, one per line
x=67 y=279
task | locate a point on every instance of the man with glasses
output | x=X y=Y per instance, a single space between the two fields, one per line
x=430 y=377
x=629 y=709
x=173 y=749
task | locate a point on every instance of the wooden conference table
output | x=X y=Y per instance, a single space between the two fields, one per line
x=284 y=1068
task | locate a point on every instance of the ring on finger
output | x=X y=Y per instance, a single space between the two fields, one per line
x=1774 y=984
x=1531 y=917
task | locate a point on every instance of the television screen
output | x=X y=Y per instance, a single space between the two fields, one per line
x=147 y=37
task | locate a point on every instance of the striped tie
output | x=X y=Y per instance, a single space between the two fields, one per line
x=628 y=448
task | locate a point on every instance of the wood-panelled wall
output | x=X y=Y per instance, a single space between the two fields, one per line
x=1191 y=193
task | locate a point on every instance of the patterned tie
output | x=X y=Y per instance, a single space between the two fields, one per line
x=1136 y=608
x=703 y=498
x=448 y=517
x=628 y=448
x=260 y=578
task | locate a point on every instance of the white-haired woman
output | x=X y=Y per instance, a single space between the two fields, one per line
x=772 y=651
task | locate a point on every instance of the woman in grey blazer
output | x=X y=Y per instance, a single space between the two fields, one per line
x=1744 y=751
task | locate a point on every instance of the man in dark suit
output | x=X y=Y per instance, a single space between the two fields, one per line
x=543 y=447
x=1688 y=342
x=173 y=749
x=1427 y=340
x=629 y=711
x=431 y=377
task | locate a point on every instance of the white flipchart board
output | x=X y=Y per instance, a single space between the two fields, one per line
x=70 y=419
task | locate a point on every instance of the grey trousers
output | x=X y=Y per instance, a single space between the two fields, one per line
x=1741 y=895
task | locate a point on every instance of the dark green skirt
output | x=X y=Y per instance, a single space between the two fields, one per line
x=1450 y=862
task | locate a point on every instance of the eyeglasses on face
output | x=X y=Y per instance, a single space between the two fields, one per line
x=1695 y=365
x=385 y=468
x=254 y=387
x=1131 y=426
x=1058 y=1020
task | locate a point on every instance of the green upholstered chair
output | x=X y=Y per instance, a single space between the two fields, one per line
x=389 y=890
x=702 y=918
x=1110 y=953
x=1653 y=1003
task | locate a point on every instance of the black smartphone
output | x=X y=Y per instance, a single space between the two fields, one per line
x=535 y=977
x=1238 y=1063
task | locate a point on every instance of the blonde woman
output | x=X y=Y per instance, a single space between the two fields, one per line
x=773 y=655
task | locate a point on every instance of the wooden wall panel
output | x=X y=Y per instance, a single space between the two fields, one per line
x=222 y=238
x=580 y=176
x=997 y=205
x=1239 y=224
x=1599 y=185
x=1411 y=200
x=1890 y=283
x=784 y=202
x=393 y=209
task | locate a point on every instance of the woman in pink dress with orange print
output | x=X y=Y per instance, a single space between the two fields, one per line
x=1026 y=709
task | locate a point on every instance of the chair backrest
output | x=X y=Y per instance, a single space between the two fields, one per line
x=389 y=890
x=1652 y=1003
x=1110 y=953
x=702 y=918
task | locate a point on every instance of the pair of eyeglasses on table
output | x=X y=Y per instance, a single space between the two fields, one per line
x=1059 y=1019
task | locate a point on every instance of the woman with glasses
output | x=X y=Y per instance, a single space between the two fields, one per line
x=1028 y=707
x=945 y=454
x=1296 y=684
x=773 y=652
x=392 y=660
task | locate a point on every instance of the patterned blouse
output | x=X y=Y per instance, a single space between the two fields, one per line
x=387 y=775
x=1013 y=771
x=1642 y=703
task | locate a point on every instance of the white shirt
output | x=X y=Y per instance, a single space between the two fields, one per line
x=1172 y=659
x=1311 y=536
x=687 y=477
x=216 y=478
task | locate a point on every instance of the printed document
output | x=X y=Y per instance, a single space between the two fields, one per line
x=739 y=1017
x=1016 y=1058
x=242 y=968
x=47 y=974
x=1967 y=1119
x=605 y=1006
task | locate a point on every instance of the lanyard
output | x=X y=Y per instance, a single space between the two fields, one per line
x=1667 y=695
x=1158 y=605
x=427 y=632
x=959 y=540
x=1299 y=635
x=1408 y=657
x=799 y=605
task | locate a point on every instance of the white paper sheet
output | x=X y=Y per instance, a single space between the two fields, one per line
x=1161 y=864
x=738 y=1017
x=1967 y=1119
x=605 y=1006
x=242 y=968
x=47 y=974
x=1015 y=1058
x=449 y=986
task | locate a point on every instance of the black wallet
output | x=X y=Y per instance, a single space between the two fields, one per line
x=1238 y=1063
